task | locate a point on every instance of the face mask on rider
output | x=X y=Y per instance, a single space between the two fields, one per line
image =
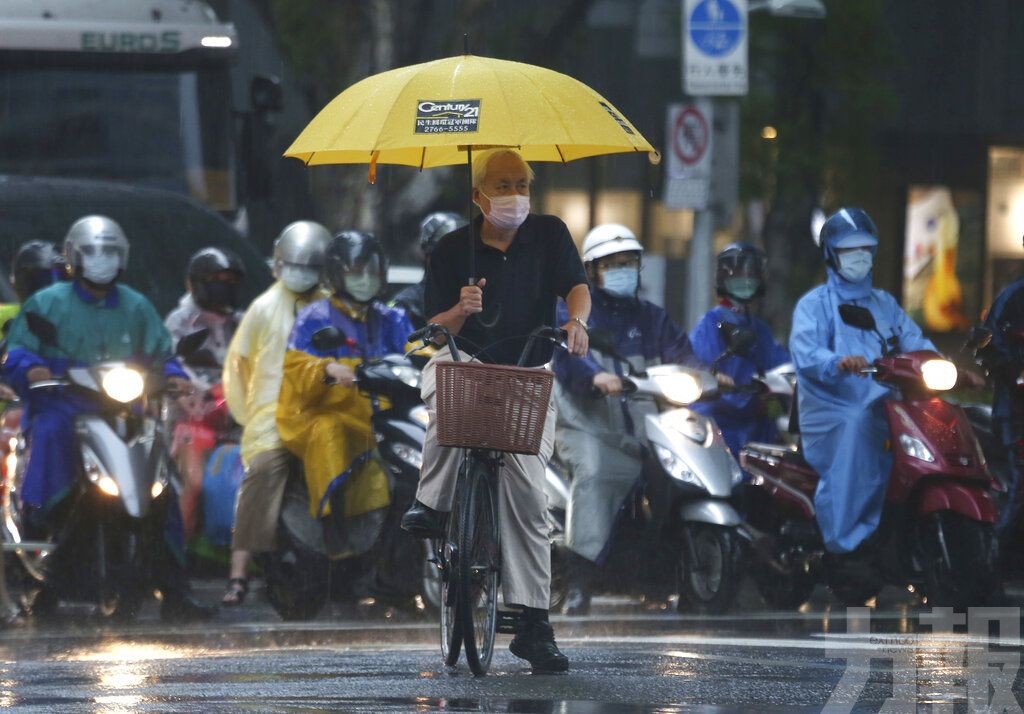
x=299 y=278
x=855 y=265
x=102 y=268
x=507 y=212
x=362 y=286
x=621 y=282
x=742 y=288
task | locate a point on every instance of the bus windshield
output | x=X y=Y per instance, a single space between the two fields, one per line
x=168 y=128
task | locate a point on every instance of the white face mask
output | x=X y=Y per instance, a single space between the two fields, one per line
x=855 y=265
x=363 y=286
x=101 y=269
x=507 y=212
x=621 y=282
x=299 y=278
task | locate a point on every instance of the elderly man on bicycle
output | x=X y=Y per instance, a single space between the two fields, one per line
x=524 y=263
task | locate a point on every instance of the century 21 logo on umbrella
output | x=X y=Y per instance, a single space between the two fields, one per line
x=447 y=116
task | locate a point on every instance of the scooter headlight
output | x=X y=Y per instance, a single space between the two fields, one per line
x=123 y=384
x=157 y=488
x=737 y=472
x=408 y=454
x=108 y=486
x=409 y=375
x=915 y=448
x=674 y=466
x=420 y=415
x=939 y=374
x=679 y=389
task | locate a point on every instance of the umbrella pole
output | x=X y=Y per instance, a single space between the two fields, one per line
x=469 y=215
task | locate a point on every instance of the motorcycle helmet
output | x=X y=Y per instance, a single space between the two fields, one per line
x=608 y=239
x=299 y=255
x=847 y=228
x=355 y=265
x=95 y=237
x=36 y=265
x=214 y=278
x=740 y=271
x=436 y=226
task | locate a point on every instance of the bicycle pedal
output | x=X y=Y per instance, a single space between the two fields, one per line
x=507 y=621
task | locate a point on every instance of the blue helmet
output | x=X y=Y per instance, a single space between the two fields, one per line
x=847 y=228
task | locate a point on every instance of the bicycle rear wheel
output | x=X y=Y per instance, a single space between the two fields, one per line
x=478 y=567
x=451 y=626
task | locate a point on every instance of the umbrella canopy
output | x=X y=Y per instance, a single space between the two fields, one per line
x=437 y=113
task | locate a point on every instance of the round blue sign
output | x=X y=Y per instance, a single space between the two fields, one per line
x=716 y=27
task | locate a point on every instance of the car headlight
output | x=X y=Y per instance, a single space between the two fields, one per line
x=939 y=374
x=408 y=454
x=674 y=466
x=123 y=384
x=409 y=375
x=915 y=448
x=680 y=389
x=420 y=415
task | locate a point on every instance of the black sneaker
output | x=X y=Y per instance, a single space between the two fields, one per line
x=535 y=642
x=182 y=608
x=422 y=521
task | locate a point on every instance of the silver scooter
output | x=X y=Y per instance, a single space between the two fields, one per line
x=98 y=544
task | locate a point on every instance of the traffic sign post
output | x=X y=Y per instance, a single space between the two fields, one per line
x=714 y=47
x=688 y=167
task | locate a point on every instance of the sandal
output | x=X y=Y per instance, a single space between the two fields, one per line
x=234 y=596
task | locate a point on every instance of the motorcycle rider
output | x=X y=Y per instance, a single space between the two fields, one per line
x=322 y=416
x=601 y=441
x=524 y=263
x=36 y=265
x=214 y=278
x=432 y=228
x=97 y=318
x=253 y=370
x=739 y=281
x=842 y=421
x=1007 y=316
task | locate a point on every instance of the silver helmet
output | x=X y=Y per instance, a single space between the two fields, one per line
x=301 y=243
x=94 y=233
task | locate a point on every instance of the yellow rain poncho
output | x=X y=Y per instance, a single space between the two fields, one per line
x=328 y=425
x=255 y=364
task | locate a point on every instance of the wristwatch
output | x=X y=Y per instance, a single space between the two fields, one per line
x=580 y=322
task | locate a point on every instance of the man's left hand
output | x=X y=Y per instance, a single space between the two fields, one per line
x=179 y=385
x=577 y=340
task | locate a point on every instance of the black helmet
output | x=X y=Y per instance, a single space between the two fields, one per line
x=210 y=289
x=36 y=265
x=740 y=262
x=436 y=226
x=355 y=251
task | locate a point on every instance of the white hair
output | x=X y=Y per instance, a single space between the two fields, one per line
x=483 y=159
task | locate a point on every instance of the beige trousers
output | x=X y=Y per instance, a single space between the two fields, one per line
x=522 y=502
x=259 y=501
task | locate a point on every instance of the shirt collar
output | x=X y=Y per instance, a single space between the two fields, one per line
x=111 y=300
x=523 y=235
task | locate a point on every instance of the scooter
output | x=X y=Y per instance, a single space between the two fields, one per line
x=936 y=533
x=679 y=529
x=298 y=574
x=98 y=544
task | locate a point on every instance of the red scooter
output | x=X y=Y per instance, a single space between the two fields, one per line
x=936 y=531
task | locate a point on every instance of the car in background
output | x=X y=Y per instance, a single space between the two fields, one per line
x=163 y=228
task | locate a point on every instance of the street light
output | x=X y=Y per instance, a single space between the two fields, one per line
x=810 y=9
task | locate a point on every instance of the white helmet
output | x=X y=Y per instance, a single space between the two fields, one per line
x=90 y=233
x=608 y=239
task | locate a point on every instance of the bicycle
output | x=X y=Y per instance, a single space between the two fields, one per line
x=488 y=410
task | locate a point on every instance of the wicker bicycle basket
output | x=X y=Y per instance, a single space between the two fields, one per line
x=487 y=406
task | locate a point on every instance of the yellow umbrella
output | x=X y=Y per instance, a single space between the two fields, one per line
x=437 y=113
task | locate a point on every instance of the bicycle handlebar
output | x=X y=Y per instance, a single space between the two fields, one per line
x=426 y=335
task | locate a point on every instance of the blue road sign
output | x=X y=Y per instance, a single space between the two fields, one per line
x=716 y=27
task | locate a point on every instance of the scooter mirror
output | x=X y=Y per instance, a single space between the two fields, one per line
x=42 y=328
x=857 y=316
x=328 y=339
x=190 y=344
x=738 y=338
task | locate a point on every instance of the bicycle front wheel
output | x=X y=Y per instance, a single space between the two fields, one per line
x=479 y=564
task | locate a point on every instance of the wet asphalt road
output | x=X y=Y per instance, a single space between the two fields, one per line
x=625 y=658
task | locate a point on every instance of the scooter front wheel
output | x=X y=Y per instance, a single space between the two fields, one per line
x=958 y=557
x=709 y=569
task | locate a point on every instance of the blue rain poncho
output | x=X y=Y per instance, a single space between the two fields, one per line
x=842 y=418
x=738 y=414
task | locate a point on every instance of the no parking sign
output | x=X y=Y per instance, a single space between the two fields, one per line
x=688 y=135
